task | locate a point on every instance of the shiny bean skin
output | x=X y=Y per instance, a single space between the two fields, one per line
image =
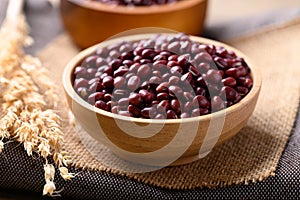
x=167 y=77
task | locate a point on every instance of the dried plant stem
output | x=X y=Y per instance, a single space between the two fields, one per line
x=29 y=100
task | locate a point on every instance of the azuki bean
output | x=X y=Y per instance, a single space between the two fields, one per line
x=135 y=111
x=119 y=82
x=133 y=82
x=229 y=81
x=135 y=99
x=171 y=114
x=175 y=105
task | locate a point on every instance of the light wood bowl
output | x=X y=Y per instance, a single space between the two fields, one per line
x=89 y=22
x=160 y=142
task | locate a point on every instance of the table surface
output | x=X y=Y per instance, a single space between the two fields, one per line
x=239 y=18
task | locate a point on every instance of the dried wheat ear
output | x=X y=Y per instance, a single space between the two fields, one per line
x=28 y=103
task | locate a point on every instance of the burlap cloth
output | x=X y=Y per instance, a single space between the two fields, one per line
x=252 y=154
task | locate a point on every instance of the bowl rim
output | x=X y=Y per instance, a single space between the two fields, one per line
x=140 y=10
x=69 y=90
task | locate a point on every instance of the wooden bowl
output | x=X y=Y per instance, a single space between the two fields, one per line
x=160 y=142
x=90 y=22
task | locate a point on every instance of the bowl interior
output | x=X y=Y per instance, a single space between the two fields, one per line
x=68 y=79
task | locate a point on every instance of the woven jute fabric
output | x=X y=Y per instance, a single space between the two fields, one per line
x=251 y=155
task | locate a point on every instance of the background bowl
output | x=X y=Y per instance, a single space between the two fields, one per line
x=160 y=142
x=90 y=22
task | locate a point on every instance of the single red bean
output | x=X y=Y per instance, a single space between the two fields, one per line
x=160 y=65
x=194 y=71
x=108 y=82
x=217 y=103
x=188 y=95
x=121 y=71
x=184 y=115
x=171 y=114
x=137 y=59
x=135 y=111
x=248 y=83
x=95 y=87
x=200 y=91
x=148 y=53
x=154 y=80
x=146 y=96
x=229 y=92
x=175 y=105
x=174 y=80
x=188 y=106
x=176 y=70
x=229 y=103
x=159 y=116
x=220 y=62
x=81 y=82
x=114 y=54
x=115 y=109
x=163 y=106
x=242 y=90
x=145 y=85
x=102 y=105
x=162 y=96
x=148 y=112
x=236 y=72
x=201 y=101
x=201 y=81
x=123 y=102
x=138 y=51
x=118 y=93
x=203 y=67
x=173 y=57
x=165 y=53
x=115 y=64
x=144 y=71
x=159 y=57
x=162 y=87
x=202 y=57
x=107 y=97
x=183 y=61
x=195 y=112
x=145 y=61
x=133 y=82
x=126 y=55
x=119 y=82
x=213 y=76
x=187 y=77
x=94 y=80
x=135 y=99
x=174 y=47
x=229 y=81
x=172 y=63
x=134 y=67
x=82 y=91
x=175 y=91
x=165 y=77
x=81 y=72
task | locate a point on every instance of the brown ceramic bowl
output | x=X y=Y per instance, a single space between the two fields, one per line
x=160 y=142
x=90 y=22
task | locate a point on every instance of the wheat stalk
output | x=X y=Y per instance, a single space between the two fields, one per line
x=29 y=99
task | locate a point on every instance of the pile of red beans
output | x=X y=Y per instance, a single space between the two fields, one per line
x=136 y=2
x=165 y=77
